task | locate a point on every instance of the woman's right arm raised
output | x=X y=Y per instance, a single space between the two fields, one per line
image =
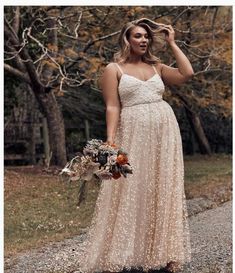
x=109 y=86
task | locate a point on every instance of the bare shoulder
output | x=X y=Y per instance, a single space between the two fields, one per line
x=109 y=76
x=112 y=70
x=111 y=67
x=159 y=67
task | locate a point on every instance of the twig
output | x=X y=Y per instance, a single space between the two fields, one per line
x=91 y=42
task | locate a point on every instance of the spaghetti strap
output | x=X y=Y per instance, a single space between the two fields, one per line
x=119 y=68
x=154 y=69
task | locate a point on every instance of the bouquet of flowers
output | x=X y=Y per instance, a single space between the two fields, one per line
x=99 y=160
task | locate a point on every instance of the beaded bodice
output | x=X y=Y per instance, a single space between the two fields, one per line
x=134 y=91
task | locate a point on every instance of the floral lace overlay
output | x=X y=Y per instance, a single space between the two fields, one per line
x=133 y=91
x=141 y=221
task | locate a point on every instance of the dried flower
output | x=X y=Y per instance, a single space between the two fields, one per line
x=98 y=160
x=122 y=159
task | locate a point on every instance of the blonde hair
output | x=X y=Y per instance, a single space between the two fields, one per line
x=152 y=29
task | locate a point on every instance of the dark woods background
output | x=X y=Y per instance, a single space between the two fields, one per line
x=54 y=56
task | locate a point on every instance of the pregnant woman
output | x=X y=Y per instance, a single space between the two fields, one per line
x=140 y=222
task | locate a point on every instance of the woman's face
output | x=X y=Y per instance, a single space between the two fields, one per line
x=138 y=40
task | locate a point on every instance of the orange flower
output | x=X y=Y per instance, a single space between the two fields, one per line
x=122 y=159
x=116 y=175
x=114 y=145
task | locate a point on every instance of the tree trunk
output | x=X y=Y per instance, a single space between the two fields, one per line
x=27 y=71
x=193 y=117
x=195 y=123
x=55 y=124
x=196 y=126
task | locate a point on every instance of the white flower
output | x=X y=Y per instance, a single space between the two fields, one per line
x=67 y=171
x=112 y=159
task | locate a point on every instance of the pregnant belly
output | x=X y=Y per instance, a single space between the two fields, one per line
x=147 y=115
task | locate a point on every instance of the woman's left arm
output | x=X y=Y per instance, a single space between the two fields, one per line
x=184 y=72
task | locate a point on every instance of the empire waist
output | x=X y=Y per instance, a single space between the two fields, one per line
x=140 y=103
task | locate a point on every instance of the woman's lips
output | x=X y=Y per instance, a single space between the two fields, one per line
x=143 y=46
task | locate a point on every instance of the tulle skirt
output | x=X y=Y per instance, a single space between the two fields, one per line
x=141 y=221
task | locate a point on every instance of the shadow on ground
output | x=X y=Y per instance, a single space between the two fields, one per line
x=142 y=271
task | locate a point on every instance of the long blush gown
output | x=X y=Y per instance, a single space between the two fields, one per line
x=141 y=222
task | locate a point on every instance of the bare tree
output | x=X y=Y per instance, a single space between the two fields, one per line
x=60 y=51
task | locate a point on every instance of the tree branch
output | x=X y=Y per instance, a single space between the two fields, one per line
x=17 y=73
x=16 y=23
x=91 y=42
x=11 y=31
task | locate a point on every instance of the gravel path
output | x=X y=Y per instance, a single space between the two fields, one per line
x=211 y=240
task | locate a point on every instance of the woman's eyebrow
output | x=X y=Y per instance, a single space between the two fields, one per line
x=141 y=33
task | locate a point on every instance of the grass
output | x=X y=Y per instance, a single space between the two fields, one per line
x=40 y=208
x=209 y=176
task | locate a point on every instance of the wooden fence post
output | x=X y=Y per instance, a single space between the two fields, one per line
x=87 y=129
x=46 y=143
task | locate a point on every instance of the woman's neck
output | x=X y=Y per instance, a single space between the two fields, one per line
x=134 y=59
